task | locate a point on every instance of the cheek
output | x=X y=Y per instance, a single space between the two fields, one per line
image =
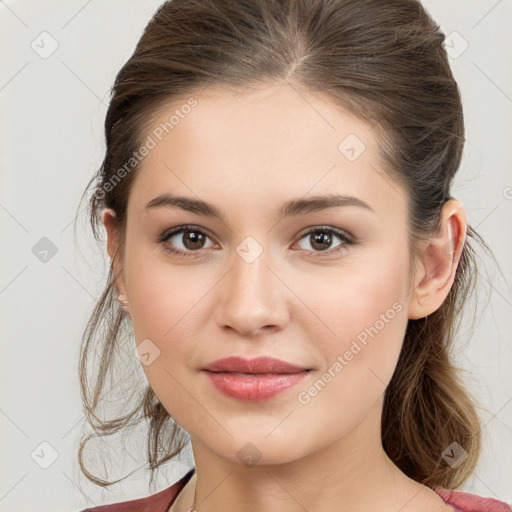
x=163 y=297
x=350 y=302
x=369 y=320
x=165 y=302
x=162 y=307
x=363 y=319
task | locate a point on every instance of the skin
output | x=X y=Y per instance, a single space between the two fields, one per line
x=247 y=154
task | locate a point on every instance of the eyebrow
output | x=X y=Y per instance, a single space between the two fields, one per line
x=290 y=208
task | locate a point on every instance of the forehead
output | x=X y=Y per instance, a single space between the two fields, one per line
x=262 y=146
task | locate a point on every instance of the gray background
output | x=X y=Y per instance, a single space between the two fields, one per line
x=52 y=141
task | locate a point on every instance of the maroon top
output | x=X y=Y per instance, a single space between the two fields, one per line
x=161 y=501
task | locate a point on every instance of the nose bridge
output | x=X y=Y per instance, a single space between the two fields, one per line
x=252 y=296
x=250 y=274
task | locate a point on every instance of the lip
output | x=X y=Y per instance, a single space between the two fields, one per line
x=253 y=379
x=257 y=365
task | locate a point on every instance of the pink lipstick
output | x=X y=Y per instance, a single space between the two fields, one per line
x=253 y=379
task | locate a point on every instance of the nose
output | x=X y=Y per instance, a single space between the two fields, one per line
x=252 y=298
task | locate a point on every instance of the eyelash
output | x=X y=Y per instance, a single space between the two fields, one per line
x=345 y=237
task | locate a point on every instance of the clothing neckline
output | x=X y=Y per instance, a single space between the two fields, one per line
x=179 y=485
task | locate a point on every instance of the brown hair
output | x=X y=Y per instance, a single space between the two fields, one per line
x=382 y=60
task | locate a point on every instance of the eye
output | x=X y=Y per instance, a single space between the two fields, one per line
x=193 y=241
x=321 y=238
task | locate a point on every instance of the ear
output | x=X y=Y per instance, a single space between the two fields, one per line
x=109 y=220
x=439 y=261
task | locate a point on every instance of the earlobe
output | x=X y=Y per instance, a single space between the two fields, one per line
x=439 y=262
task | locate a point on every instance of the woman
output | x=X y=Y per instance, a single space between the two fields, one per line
x=288 y=259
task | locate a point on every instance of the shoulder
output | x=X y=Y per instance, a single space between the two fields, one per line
x=159 y=502
x=467 y=502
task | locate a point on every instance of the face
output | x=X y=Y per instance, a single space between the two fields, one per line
x=324 y=288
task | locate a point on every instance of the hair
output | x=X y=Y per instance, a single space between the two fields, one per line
x=381 y=60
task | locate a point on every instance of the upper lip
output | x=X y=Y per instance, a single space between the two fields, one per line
x=262 y=364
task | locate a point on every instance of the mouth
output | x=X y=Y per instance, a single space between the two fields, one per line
x=254 y=387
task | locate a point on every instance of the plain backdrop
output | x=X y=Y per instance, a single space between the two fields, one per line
x=51 y=136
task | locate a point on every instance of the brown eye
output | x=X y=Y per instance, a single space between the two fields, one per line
x=193 y=240
x=184 y=240
x=321 y=240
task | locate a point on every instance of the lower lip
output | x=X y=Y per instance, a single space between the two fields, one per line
x=254 y=387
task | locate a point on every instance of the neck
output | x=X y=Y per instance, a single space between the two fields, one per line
x=351 y=474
